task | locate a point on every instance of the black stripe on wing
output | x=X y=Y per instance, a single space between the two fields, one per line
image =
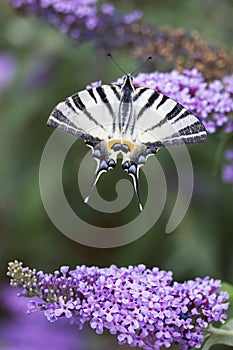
x=105 y=100
x=175 y=111
x=78 y=102
x=90 y=140
x=58 y=120
x=153 y=97
x=116 y=90
x=192 y=129
x=169 y=116
x=186 y=113
x=164 y=99
x=91 y=93
x=68 y=103
x=194 y=133
x=61 y=118
x=139 y=93
x=185 y=139
x=81 y=106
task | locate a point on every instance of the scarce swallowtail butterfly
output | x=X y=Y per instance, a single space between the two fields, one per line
x=123 y=118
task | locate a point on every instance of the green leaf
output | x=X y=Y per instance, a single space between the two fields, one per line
x=222 y=335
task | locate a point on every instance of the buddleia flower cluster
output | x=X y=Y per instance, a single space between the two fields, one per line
x=80 y=19
x=179 y=49
x=142 y=307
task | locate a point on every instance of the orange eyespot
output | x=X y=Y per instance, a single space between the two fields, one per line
x=130 y=145
x=112 y=143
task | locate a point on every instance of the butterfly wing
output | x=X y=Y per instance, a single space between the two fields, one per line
x=162 y=122
x=88 y=114
x=158 y=122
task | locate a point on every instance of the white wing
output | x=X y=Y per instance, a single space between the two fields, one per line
x=88 y=114
x=162 y=122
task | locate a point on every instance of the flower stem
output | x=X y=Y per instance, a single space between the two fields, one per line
x=219 y=331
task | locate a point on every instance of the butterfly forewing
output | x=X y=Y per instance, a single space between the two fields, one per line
x=89 y=112
x=164 y=122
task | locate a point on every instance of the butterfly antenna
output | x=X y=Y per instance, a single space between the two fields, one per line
x=142 y=65
x=109 y=55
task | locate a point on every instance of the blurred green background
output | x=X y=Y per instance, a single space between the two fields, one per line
x=49 y=68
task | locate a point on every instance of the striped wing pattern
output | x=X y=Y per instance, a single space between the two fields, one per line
x=88 y=114
x=158 y=120
x=162 y=122
x=122 y=118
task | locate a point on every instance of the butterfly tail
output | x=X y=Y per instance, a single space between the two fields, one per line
x=133 y=170
x=97 y=175
x=102 y=167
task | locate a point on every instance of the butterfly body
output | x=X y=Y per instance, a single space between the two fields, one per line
x=128 y=120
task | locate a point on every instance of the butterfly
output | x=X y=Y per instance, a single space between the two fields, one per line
x=125 y=119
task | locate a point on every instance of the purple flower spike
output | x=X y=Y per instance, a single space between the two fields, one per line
x=82 y=20
x=143 y=307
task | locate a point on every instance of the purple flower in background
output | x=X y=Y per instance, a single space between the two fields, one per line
x=108 y=8
x=80 y=19
x=21 y=331
x=94 y=84
x=227 y=170
x=143 y=307
x=39 y=74
x=132 y=17
x=8 y=65
x=229 y=155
